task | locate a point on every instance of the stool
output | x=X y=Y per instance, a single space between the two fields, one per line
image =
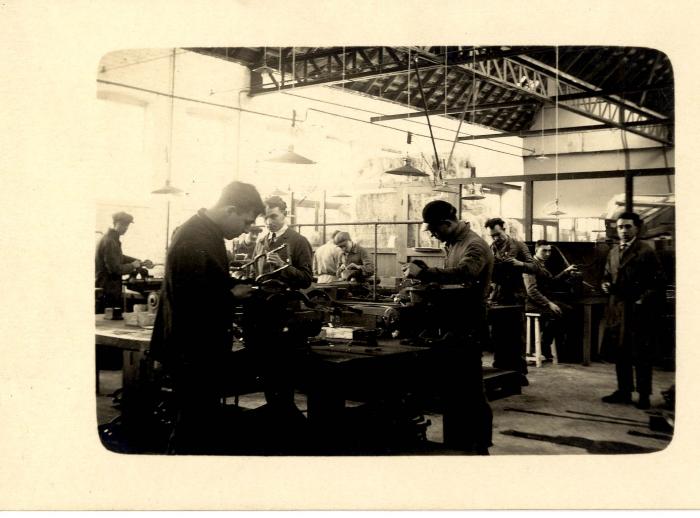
x=538 y=339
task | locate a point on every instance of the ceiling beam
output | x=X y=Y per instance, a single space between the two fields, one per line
x=505 y=71
x=613 y=91
x=451 y=111
x=555 y=131
x=381 y=69
x=606 y=112
x=587 y=87
x=550 y=177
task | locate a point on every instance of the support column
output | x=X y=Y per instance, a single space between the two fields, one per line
x=528 y=209
x=629 y=191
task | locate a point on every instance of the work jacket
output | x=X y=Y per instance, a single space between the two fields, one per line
x=507 y=278
x=193 y=325
x=110 y=265
x=359 y=256
x=298 y=254
x=540 y=285
x=468 y=262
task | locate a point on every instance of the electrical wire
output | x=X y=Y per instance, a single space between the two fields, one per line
x=405 y=120
x=281 y=117
x=172 y=118
x=404 y=131
x=556 y=129
x=198 y=101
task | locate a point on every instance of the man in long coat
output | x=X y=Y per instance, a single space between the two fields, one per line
x=634 y=279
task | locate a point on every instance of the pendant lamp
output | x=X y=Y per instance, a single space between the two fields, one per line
x=474 y=191
x=556 y=212
x=289 y=156
x=168 y=189
x=406 y=170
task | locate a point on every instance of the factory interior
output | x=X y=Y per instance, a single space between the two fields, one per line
x=548 y=145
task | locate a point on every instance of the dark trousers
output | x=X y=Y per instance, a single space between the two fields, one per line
x=508 y=338
x=458 y=379
x=467 y=415
x=554 y=326
x=634 y=351
x=199 y=426
x=108 y=299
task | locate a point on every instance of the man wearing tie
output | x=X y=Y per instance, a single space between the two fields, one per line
x=297 y=254
x=634 y=280
x=277 y=362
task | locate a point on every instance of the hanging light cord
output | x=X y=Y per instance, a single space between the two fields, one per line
x=556 y=128
x=172 y=118
x=542 y=150
x=473 y=185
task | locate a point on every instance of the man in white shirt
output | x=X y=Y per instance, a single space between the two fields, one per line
x=327 y=260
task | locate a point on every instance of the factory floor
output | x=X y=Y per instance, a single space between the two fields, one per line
x=560 y=412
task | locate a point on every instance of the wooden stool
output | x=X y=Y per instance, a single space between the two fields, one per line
x=538 y=340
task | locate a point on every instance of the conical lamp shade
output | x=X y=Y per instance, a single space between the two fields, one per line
x=290 y=157
x=556 y=211
x=167 y=189
x=406 y=170
x=473 y=193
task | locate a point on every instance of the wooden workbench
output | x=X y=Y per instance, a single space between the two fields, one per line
x=588 y=303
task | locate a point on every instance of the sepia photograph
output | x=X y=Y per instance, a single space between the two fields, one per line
x=348 y=256
x=385 y=250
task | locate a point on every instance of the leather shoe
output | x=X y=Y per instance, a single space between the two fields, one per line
x=643 y=403
x=622 y=398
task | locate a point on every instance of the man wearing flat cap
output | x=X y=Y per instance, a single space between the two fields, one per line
x=355 y=261
x=111 y=263
x=456 y=362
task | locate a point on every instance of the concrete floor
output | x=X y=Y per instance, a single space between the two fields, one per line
x=560 y=412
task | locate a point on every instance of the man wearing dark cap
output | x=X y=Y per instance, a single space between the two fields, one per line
x=193 y=331
x=111 y=263
x=467 y=417
x=355 y=261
